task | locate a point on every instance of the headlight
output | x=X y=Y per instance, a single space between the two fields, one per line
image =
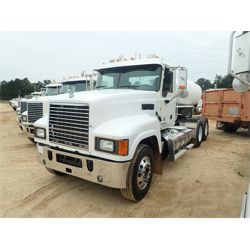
x=40 y=133
x=24 y=118
x=18 y=112
x=119 y=147
x=106 y=145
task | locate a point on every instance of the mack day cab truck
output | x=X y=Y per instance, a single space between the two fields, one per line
x=36 y=108
x=230 y=108
x=49 y=90
x=116 y=135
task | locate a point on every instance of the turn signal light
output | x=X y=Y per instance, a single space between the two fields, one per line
x=122 y=147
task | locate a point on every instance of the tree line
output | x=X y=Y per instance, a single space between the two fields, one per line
x=219 y=82
x=19 y=87
x=22 y=87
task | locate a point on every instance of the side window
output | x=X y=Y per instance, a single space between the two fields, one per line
x=167 y=82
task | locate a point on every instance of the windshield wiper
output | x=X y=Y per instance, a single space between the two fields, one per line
x=128 y=86
x=101 y=86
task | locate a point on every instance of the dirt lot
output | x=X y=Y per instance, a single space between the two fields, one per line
x=205 y=182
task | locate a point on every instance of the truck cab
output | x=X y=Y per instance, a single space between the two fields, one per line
x=117 y=134
x=36 y=107
x=49 y=90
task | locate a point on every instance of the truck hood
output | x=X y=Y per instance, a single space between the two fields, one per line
x=48 y=98
x=109 y=104
x=108 y=95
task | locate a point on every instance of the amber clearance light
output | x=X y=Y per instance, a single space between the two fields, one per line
x=122 y=147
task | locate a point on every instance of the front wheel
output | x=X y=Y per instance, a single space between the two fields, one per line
x=140 y=174
x=32 y=140
x=52 y=171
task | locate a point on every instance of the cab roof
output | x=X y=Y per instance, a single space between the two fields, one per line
x=53 y=85
x=132 y=62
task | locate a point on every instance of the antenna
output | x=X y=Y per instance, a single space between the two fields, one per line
x=83 y=73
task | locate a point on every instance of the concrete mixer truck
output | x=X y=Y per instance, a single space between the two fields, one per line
x=117 y=134
x=230 y=108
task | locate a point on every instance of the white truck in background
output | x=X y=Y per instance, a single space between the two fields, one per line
x=117 y=134
x=49 y=90
x=37 y=108
x=14 y=103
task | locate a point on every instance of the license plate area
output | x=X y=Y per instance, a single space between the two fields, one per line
x=68 y=160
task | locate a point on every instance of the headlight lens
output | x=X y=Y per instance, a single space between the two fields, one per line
x=119 y=147
x=18 y=112
x=40 y=133
x=106 y=145
x=24 y=118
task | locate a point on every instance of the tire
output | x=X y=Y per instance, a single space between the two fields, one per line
x=187 y=112
x=198 y=135
x=205 y=125
x=230 y=127
x=52 y=171
x=140 y=174
x=32 y=140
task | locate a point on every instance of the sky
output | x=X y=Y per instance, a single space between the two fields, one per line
x=54 y=55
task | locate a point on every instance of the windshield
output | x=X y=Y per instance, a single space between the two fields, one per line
x=52 y=91
x=142 y=77
x=74 y=86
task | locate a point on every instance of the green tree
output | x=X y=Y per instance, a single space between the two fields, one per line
x=223 y=82
x=204 y=84
x=15 y=88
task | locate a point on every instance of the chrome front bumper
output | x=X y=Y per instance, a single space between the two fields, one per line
x=107 y=173
x=29 y=131
x=19 y=122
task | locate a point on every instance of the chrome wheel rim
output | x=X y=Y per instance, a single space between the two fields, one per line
x=144 y=173
x=200 y=134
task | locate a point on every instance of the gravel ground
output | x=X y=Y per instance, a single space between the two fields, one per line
x=205 y=182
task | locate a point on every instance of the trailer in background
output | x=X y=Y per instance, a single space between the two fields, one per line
x=229 y=108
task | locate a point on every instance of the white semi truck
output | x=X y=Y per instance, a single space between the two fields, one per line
x=49 y=90
x=14 y=103
x=37 y=108
x=117 y=134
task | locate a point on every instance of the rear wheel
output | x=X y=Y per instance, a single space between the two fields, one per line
x=140 y=174
x=198 y=135
x=205 y=128
x=230 y=127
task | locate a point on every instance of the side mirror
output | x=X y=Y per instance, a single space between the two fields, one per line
x=182 y=78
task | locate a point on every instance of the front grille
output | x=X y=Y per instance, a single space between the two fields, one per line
x=23 y=107
x=69 y=124
x=35 y=111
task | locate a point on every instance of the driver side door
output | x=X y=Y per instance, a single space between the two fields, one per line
x=168 y=100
